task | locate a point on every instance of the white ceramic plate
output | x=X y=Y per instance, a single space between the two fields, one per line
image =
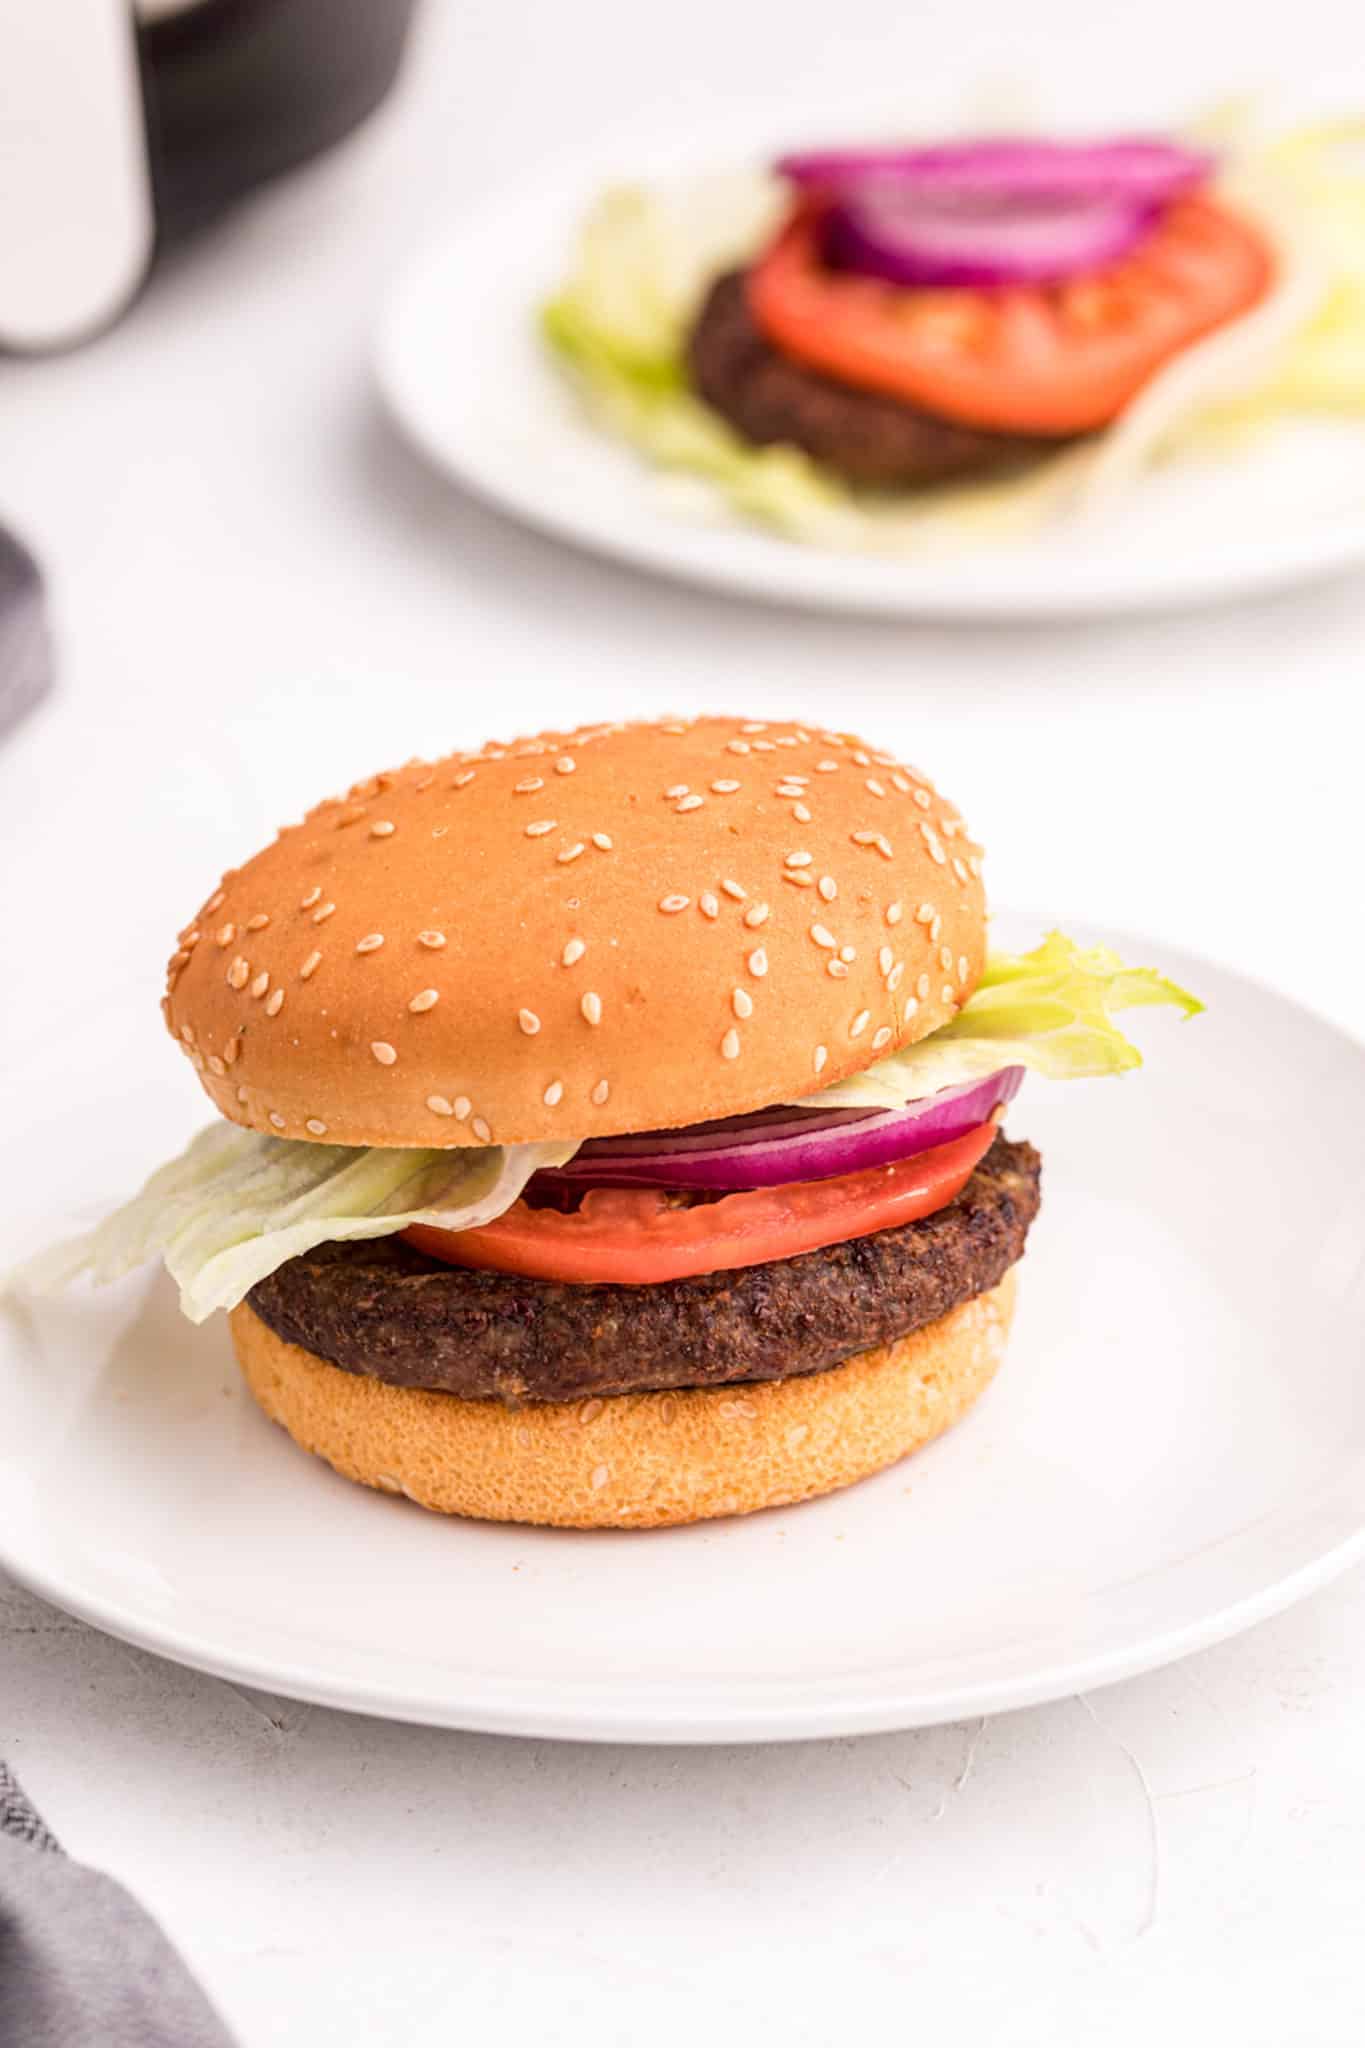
x=1175 y=1447
x=463 y=372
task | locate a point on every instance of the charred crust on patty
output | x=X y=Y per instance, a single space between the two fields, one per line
x=382 y=1308
x=870 y=440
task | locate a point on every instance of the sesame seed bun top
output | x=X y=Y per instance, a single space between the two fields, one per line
x=621 y=928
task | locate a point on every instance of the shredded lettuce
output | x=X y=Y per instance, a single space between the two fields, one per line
x=235 y=1205
x=618 y=327
x=1051 y=1010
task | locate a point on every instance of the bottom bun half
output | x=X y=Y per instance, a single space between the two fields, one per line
x=635 y=1460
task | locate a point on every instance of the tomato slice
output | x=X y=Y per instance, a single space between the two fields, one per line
x=632 y=1237
x=1028 y=359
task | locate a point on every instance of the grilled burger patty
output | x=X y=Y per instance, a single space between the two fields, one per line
x=866 y=438
x=383 y=1309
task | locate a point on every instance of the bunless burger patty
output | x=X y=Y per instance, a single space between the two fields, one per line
x=879 y=442
x=383 y=1309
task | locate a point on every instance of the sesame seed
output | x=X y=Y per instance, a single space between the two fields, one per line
x=799 y=878
x=935 y=928
x=553 y=1095
x=801 y=814
x=425 y=999
x=894 y=913
x=827 y=767
x=763 y=747
x=382 y=828
x=384 y=1053
x=528 y=785
x=463 y=1105
x=316 y=1126
x=371 y=942
x=678 y=789
x=257 y=923
x=565 y=765
x=736 y=746
x=949 y=827
x=241 y=1095
x=755 y=915
x=574 y=949
x=724 y=788
x=884 y=846
x=786 y=739
x=274 y=1002
x=959 y=869
x=829 y=888
x=945 y=956
x=672 y=904
x=893 y=979
x=570 y=853
x=885 y=958
x=601 y=1092
x=529 y=1022
x=962 y=968
x=323 y=912
x=231 y=1050
x=439 y=1106
x=190 y=937
x=481 y=1130
x=216 y=1065
x=848 y=954
x=260 y=984
x=899 y=782
x=432 y=939
x=215 y=902
x=540 y=828
x=224 y=936
x=863 y=838
x=922 y=987
x=729 y=1045
x=277 y=1119
x=837 y=969
x=949 y=994
x=757 y=963
x=821 y=1055
x=974 y=864
x=688 y=803
x=733 y=889
x=798 y=860
x=462 y=781
x=925 y=914
x=875 y=786
x=755 y=725
x=860 y=1024
x=313 y=896
x=922 y=798
x=187 y=1033
x=863 y=760
x=881 y=1037
x=743 y=1003
x=708 y=904
x=602 y=841
x=823 y=936
x=591 y=1006
x=601 y=1474
x=238 y=973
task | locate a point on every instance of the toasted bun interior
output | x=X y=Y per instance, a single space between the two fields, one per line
x=635 y=1460
x=616 y=929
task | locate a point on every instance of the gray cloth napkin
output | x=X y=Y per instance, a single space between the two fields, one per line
x=81 y=1964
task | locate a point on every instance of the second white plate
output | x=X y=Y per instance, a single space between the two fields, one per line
x=463 y=371
x=1175 y=1447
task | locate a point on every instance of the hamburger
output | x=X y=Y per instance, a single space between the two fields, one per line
x=610 y=1122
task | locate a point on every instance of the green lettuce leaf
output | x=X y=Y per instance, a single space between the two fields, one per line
x=1051 y=1010
x=236 y=1205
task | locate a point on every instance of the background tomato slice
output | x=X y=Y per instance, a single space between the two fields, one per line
x=632 y=1238
x=1029 y=359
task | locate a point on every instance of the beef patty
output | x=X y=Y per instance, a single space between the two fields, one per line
x=384 y=1309
x=883 y=443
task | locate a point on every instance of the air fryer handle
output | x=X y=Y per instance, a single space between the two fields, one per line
x=77 y=223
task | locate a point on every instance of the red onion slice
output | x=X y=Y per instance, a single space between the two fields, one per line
x=884 y=228
x=1144 y=170
x=783 y=1149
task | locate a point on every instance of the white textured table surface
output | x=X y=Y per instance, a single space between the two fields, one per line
x=259 y=595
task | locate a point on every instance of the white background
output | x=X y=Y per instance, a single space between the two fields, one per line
x=260 y=594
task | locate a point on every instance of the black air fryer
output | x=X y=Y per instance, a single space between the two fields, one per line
x=127 y=124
